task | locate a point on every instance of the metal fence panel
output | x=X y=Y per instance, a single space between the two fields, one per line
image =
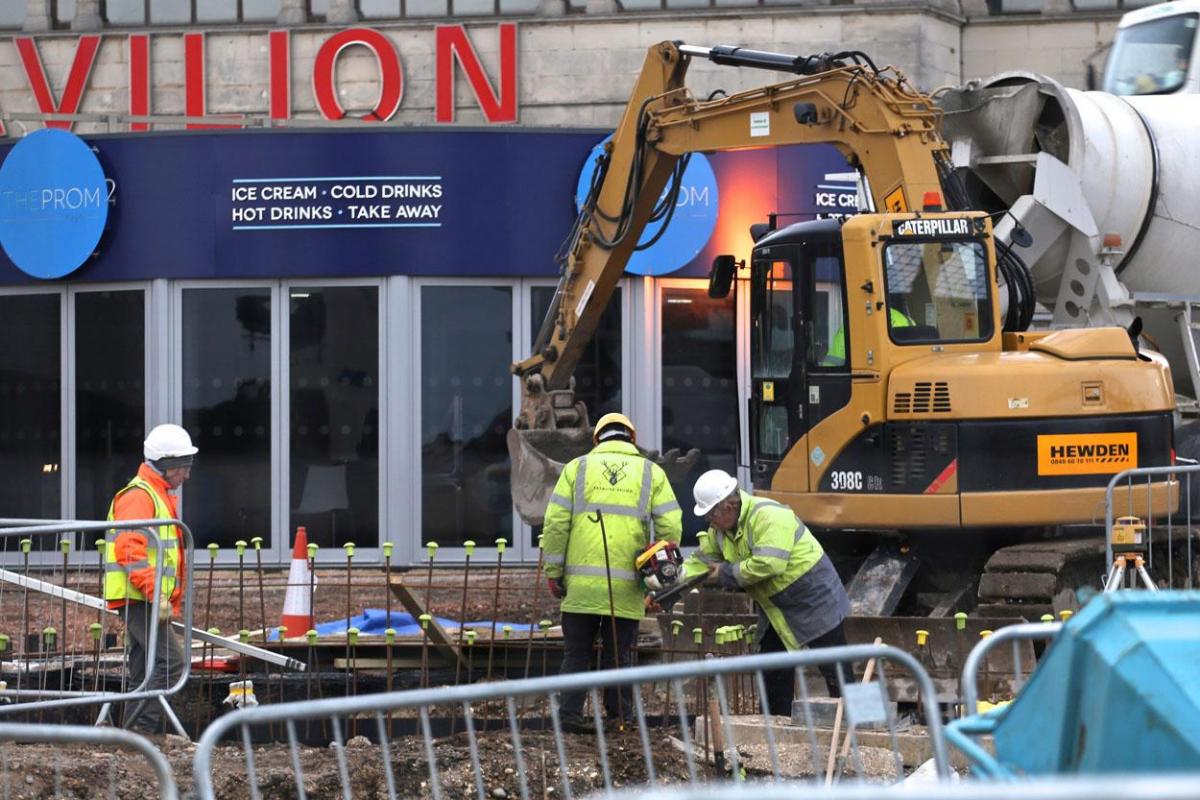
x=76 y=645
x=684 y=728
x=63 y=762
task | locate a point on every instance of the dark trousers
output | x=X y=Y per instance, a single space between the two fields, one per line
x=781 y=683
x=146 y=715
x=579 y=638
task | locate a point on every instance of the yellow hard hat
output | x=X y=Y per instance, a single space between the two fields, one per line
x=608 y=420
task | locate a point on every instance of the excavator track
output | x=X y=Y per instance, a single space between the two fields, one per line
x=1036 y=578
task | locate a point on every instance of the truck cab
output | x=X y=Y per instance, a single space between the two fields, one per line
x=1154 y=51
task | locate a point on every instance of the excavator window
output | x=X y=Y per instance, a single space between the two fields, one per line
x=937 y=291
x=773 y=324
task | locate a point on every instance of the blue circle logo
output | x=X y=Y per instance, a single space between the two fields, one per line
x=53 y=203
x=690 y=227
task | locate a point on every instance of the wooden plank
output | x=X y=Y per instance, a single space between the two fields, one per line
x=438 y=637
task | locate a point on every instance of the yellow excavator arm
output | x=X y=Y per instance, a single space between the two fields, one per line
x=883 y=126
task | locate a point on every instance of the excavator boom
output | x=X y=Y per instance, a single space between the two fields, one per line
x=884 y=127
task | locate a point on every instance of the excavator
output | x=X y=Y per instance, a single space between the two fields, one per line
x=896 y=393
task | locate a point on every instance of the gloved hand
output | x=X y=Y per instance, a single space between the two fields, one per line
x=557 y=590
x=164 y=611
x=652 y=607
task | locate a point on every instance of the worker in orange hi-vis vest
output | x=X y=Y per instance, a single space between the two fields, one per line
x=130 y=567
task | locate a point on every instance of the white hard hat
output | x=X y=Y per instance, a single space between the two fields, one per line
x=711 y=488
x=168 y=441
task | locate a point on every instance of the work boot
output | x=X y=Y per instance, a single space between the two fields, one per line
x=577 y=723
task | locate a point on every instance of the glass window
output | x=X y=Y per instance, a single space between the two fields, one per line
x=30 y=408
x=125 y=12
x=64 y=12
x=375 y=9
x=772 y=335
x=227 y=411
x=474 y=7
x=426 y=8
x=260 y=10
x=168 y=12
x=699 y=392
x=598 y=375
x=216 y=11
x=12 y=15
x=937 y=292
x=334 y=414
x=466 y=411
x=1151 y=57
x=110 y=395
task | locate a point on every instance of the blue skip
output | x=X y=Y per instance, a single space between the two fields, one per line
x=1118 y=691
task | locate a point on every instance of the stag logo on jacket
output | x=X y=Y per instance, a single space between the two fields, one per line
x=958 y=226
x=613 y=472
x=1087 y=453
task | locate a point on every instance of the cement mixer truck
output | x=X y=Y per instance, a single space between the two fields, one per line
x=1101 y=189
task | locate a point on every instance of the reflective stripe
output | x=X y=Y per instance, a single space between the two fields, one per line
x=615 y=510
x=720 y=537
x=114 y=567
x=706 y=558
x=737 y=573
x=645 y=496
x=580 y=482
x=664 y=508
x=559 y=500
x=554 y=558
x=600 y=572
x=771 y=552
x=800 y=531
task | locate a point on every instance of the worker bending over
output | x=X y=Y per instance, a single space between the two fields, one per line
x=759 y=546
x=590 y=560
x=129 y=567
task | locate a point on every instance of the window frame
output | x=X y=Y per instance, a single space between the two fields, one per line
x=986 y=300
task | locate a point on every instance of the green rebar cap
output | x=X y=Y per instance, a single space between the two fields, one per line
x=64 y=544
x=312 y=636
x=312 y=552
x=257 y=542
x=387 y=549
x=719 y=635
x=214 y=631
x=240 y=546
x=352 y=635
x=26 y=545
x=545 y=624
x=244 y=636
x=1047 y=618
x=506 y=630
x=3 y=642
x=212 y=551
x=99 y=544
x=49 y=634
x=469 y=634
x=96 y=629
x=698 y=635
x=501 y=543
x=469 y=546
x=424 y=619
x=349 y=548
x=676 y=626
x=960 y=620
x=540 y=537
x=389 y=635
x=431 y=548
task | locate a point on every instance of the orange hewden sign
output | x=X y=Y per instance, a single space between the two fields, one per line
x=1086 y=453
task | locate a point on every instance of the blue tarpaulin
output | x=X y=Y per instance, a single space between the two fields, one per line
x=374 y=621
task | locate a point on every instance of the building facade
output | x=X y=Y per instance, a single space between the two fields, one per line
x=332 y=226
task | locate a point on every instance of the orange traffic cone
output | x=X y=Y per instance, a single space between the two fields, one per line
x=297 y=604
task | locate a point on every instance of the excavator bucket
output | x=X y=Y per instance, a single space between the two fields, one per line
x=538 y=457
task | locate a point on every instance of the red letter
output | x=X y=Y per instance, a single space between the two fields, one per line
x=81 y=67
x=193 y=81
x=391 y=76
x=139 y=79
x=452 y=43
x=281 y=74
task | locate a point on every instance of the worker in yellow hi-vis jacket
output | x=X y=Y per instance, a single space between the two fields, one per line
x=761 y=547
x=586 y=555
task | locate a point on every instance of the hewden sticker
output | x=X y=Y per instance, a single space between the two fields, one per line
x=1086 y=453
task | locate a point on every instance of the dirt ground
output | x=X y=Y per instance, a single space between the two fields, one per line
x=32 y=772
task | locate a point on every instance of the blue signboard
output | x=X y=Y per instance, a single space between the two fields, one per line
x=689 y=226
x=53 y=203
x=227 y=205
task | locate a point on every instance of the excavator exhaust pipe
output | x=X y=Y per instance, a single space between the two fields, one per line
x=538 y=458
